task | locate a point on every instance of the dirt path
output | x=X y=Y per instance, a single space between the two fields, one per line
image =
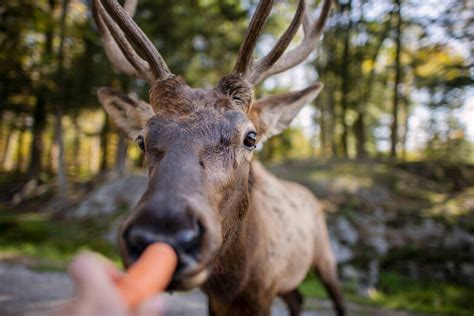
x=24 y=292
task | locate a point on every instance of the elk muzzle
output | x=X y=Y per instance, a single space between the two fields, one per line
x=179 y=224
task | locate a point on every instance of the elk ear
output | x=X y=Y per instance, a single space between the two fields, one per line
x=272 y=115
x=128 y=114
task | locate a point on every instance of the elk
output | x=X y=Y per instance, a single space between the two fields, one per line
x=242 y=235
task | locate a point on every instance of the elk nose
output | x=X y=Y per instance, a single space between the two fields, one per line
x=185 y=241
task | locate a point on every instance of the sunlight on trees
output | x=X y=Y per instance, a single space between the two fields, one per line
x=200 y=39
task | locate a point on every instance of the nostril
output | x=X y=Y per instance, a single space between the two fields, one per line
x=186 y=237
x=138 y=239
x=189 y=240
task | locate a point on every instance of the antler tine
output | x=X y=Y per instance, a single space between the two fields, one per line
x=145 y=48
x=312 y=33
x=117 y=48
x=277 y=51
x=245 y=59
x=112 y=49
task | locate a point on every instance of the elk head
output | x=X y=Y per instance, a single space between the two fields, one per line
x=198 y=142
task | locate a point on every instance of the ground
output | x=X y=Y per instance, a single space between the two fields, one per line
x=403 y=236
x=24 y=292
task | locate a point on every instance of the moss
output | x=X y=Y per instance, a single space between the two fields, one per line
x=398 y=292
x=409 y=194
x=51 y=243
x=312 y=287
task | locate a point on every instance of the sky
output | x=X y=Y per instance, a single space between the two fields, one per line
x=302 y=76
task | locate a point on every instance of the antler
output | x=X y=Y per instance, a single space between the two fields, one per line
x=132 y=53
x=126 y=45
x=244 y=61
x=276 y=61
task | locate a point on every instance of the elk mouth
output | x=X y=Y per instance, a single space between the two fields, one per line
x=193 y=268
x=191 y=276
x=190 y=272
x=193 y=263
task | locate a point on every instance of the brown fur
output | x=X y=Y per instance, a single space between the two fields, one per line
x=241 y=234
x=282 y=237
x=260 y=235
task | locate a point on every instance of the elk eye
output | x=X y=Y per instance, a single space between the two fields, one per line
x=250 y=140
x=140 y=142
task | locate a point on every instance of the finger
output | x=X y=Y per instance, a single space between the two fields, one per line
x=91 y=274
x=111 y=269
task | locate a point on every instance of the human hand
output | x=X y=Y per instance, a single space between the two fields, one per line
x=95 y=291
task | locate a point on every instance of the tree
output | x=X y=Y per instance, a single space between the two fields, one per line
x=345 y=74
x=397 y=80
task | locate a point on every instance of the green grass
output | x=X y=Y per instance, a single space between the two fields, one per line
x=53 y=242
x=312 y=287
x=398 y=292
x=50 y=243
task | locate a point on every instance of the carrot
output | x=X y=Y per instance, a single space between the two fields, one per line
x=150 y=275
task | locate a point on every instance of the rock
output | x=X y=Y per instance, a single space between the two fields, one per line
x=467 y=272
x=460 y=239
x=348 y=272
x=342 y=253
x=345 y=231
x=114 y=196
x=112 y=234
x=373 y=231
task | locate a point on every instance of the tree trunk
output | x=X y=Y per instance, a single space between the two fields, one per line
x=366 y=94
x=405 y=129
x=359 y=130
x=345 y=75
x=359 y=125
x=19 y=149
x=2 y=141
x=6 y=146
x=39 y=123
x=42 y=98
x=49 y=165
x=332 y=122
x=76 y=145
x=398 y=77
x=322 y=126
x=103 y=143
x=61 y=180
x=121 y=156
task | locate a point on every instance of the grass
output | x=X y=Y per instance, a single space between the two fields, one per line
x=51 y=243
x=410 y=198
x=312 y=287
x=399 y=292
x=48 y=243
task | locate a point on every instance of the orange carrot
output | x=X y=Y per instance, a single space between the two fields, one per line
x=150 y=275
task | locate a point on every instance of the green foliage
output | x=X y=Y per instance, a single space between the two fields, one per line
x=423 y=189
x=198 y=39
x=399 y=292
x=291 y=144
x=312 y=287
x=448 y=144
x=51 y=243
